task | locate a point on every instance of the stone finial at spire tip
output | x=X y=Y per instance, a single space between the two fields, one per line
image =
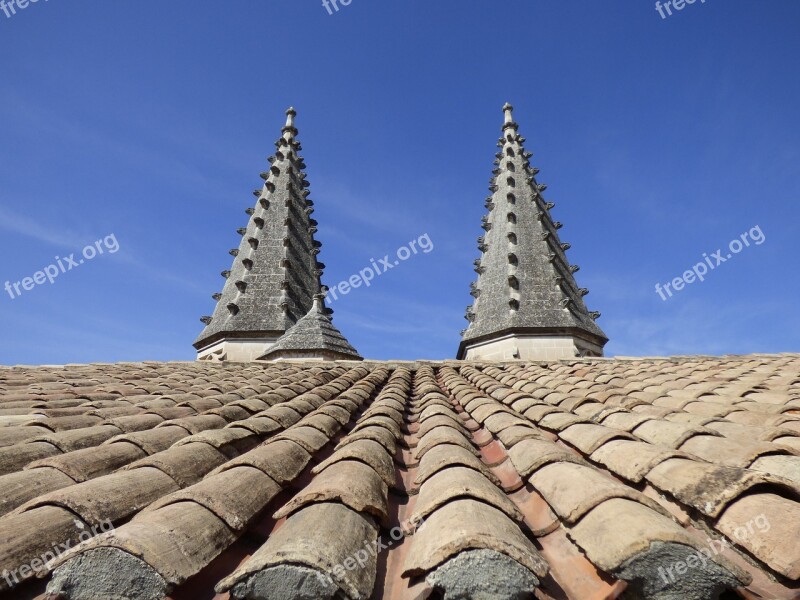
x=508 y=111
x=319 y=303
x=291 y=113
x=289 y=130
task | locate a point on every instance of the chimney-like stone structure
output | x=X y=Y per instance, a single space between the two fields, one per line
x=275 y=274
x=527 y=304
x=314 y=337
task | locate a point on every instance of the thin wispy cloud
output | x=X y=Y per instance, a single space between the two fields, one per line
x=38 y=230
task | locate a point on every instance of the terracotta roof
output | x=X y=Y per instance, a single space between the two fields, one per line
x=673 y=478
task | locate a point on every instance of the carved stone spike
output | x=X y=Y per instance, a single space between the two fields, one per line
x=206 y=320
x=217 y=296
x=566 y=246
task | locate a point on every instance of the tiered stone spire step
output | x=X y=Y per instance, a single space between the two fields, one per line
x=527 y=302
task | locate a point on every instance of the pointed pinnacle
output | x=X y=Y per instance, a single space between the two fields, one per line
x=508 y=117
x=319 y=303
x=289 y=130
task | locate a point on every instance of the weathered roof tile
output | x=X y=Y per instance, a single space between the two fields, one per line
x=476 y=441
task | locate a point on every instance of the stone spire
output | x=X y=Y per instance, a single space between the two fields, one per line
x=314 y=337
x=275 y=273
x=527 y=303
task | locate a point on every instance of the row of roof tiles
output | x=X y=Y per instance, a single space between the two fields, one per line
x=586 y=479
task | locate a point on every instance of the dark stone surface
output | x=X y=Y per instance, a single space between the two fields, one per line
x=107 y=573
x=653 y=575
x=287 y=582
x=483 y=575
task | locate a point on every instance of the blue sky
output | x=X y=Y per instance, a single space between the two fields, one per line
x=659 y=139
